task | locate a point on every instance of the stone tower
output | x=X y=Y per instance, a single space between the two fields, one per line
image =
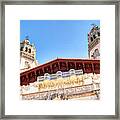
x=27 y=55
x=94 y=42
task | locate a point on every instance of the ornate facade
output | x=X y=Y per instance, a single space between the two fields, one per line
x=63 y=86
x=61 y=79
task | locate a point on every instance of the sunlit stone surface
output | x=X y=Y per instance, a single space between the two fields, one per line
x=67 y=86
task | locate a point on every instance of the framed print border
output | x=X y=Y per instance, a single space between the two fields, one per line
x=55 y=2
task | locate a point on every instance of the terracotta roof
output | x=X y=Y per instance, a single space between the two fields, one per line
x=60 y=59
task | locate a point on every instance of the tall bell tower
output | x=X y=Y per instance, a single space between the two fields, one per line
x=27 y=55
x=94 y=42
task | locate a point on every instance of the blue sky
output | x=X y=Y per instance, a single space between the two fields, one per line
x=57 y=38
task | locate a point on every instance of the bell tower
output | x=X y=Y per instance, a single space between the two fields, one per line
x=94 y=42
x=27 y=55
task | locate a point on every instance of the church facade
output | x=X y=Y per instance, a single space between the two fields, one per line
x=62 y=78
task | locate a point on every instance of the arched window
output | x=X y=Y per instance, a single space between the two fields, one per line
x=72 y=72
x=21 y=49
x=91 y=39
x=27 y=65
x=47 y=76
x=26 y=49
x=94 y=36
x=98 y=33
x=29 y=50
x=97 y=52
x=59 y=74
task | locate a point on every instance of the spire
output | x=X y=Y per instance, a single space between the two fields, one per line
x=94 y=25
x=26 y=41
